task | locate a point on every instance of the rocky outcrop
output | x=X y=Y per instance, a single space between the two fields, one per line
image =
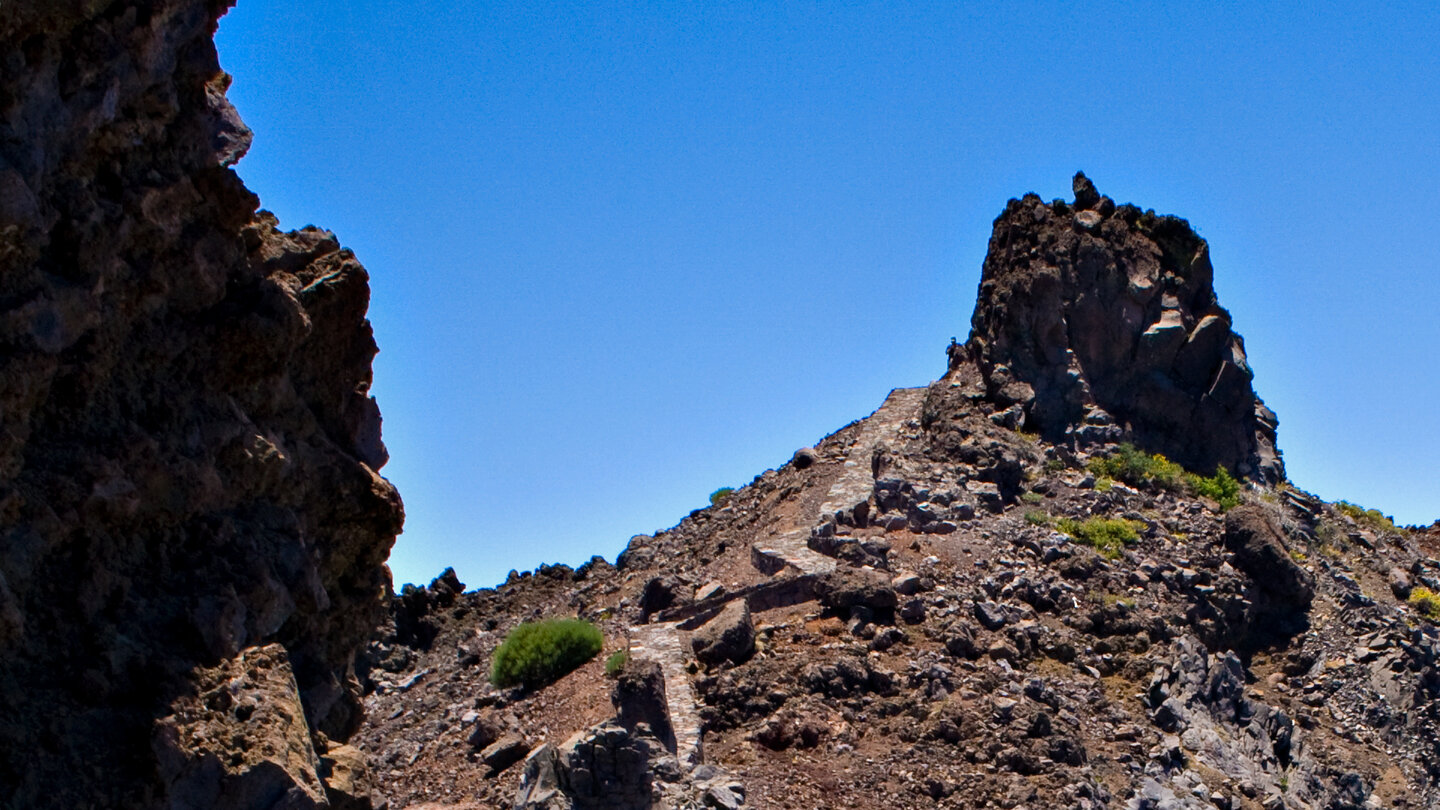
x=188 y=450
x=1258 y=543
x=1100 y=321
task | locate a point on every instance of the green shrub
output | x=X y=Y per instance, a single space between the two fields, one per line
x=1373 y=518
x=1138 y=469
x=1220 y=487
x=718 y=496
x=1134 y=467
x=616 y=662
x=1032 y=498
x=1426 y=601
x=1106 y=535
x=536 y=653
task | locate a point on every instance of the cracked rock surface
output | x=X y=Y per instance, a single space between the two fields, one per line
x=188 y=449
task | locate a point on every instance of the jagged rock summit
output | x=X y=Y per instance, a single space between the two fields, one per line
x=1093 y=317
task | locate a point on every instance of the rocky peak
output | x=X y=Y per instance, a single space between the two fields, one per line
x=1101 y=321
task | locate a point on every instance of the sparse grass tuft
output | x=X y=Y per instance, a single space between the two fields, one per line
x=1037 y=517
x=537 y=653
x=1116 y=600
x=1032 y=498
x=616 y=662
x=1109 y=536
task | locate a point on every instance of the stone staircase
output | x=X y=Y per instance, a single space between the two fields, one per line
x=663 y=644
x=790 y=549
x=857 y=480
x=787 y=553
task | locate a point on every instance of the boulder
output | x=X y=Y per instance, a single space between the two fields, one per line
x=347 y=778
x=661 y=592
x=803 y=458
x=605 y=766
x=847 y=588
x=730 y=636
x=639 y=697
x=1255 y=538
x=504 y=752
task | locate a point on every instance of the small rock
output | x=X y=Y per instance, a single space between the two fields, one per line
x=504 y=752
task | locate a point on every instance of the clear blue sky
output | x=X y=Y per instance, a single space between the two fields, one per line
x=626 y=253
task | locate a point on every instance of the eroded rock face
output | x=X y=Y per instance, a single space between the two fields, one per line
x=1092 y=317
x=240 y=740
x=188 y=450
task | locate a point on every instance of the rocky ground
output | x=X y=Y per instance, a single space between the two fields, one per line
x=1261 y=658
x=913 y=613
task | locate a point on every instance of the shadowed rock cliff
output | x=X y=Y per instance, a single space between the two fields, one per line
x=1094 y=318
x=188 y=450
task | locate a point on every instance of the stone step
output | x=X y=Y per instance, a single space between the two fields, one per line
x=857 y=480
x=790 y=551
x=663 y=644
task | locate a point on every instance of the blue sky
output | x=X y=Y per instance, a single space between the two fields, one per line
x=623 y=254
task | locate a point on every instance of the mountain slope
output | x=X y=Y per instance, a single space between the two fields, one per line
x=955 y=603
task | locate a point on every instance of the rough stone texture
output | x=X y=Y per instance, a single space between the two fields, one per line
x=188 y=451
x=1093 y=317
x=602 y=767
x=1258 y=542
x=348 y=785
x=639 y=697
x=240 y=740
x=730 y=636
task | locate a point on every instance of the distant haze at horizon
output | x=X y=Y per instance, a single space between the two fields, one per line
x=625 y=254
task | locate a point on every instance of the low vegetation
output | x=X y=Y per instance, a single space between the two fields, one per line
x=1037 y=517
x=1426 y=601
x=1221 y=488
x=537 y=653
x=616 y=662
x=1372 y=518
x=718 y=496
x=1136 y=468
x=1139 y=469
x=1109 y=536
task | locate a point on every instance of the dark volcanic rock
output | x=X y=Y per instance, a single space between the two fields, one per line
x=1259 y=547
x=188 y=451
x=1092 y=315
x=639 y=697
